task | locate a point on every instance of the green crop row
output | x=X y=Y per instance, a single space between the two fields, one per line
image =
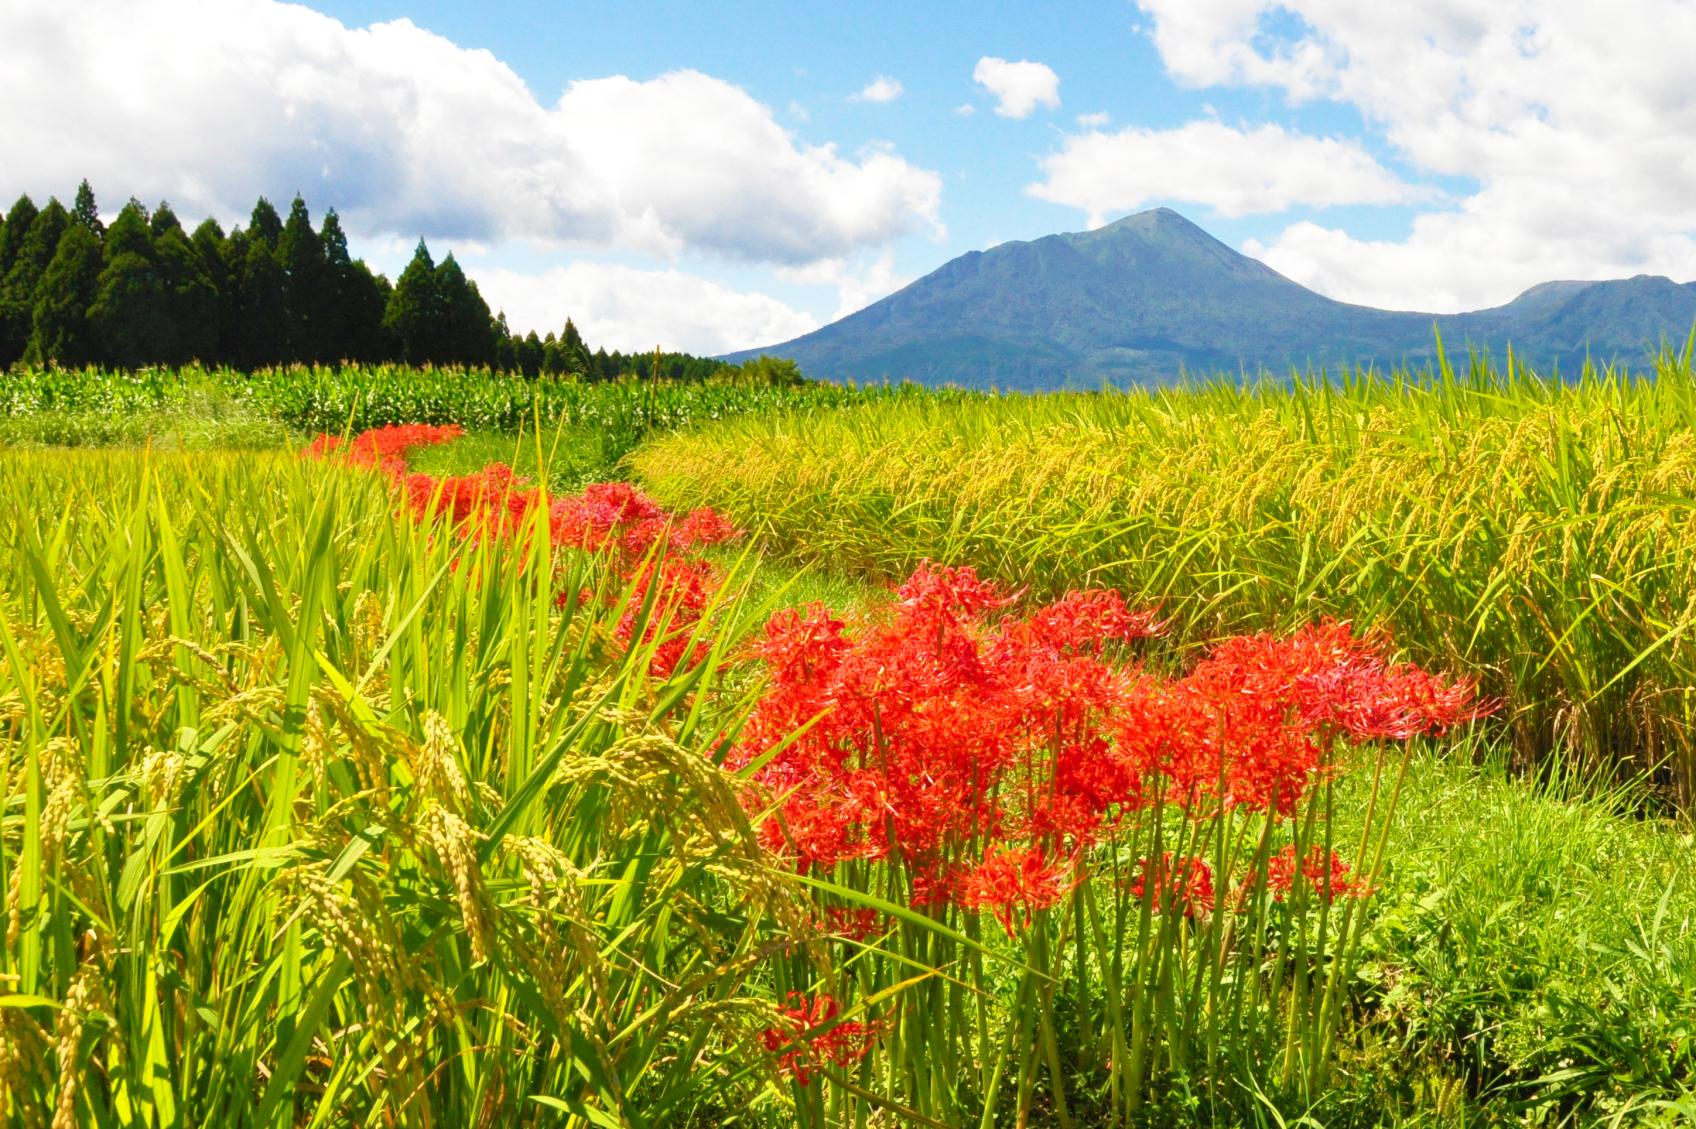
x=336 y=398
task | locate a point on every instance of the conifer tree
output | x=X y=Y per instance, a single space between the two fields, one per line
x=577 y=356
x=131 y=313
x=306 y=286
x=17 y=291
x=233 y=251
x=265 y=225
x=191 y=297
x=165 y=220
x=12 y=235
x=208 y=244
x=340 y=335
x=530 y=355
x=366 y=297
x=259 y=329
x=131 y=233
x=60 y=329
x=415 y=310
x=506 y=353
x=467 y=335
x=84 y=211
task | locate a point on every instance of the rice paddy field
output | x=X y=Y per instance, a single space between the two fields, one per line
x=416 y=748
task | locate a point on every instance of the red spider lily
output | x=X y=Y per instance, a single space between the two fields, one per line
x=1328 y=678
x=1185 y=884
x=674 y=590
x=323 y=446
x=853 y=923
x=957 y=729
x=1086 y=620
x=1013 y=883
x=1324 y=873
x=612 y=516
x=492 y=500
x=704 y=526
x=384 y=448
x=809 y=1036
x=607 y=512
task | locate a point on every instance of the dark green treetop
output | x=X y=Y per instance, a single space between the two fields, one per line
x=17 y=290
x=265 y=225
x=85 y=212
x=60 y=329
x=12 y=235
x=164 y=219
x=414 y=314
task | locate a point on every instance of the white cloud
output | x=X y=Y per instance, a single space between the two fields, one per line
x=1234 y=172
x=965 y=109
x=1568 y=121
x=880 y=89
x=404 y=131
x=858 y=283
x=624 y=308
x=1094 y=121
x=1020 y=87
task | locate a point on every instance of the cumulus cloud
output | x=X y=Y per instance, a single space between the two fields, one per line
x=1094 y=121
x=880 y=89
x=404 y=131
x=859 y=282
x=1020 y=87
x=629 y=309
x=1234 y=172
x=1568 y=123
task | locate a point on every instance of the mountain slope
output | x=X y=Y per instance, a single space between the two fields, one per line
x=1153 y=294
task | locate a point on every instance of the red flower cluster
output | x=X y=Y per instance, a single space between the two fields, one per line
x=811 y=1035
x=613 y=517
x=674 y=591
x=1324 y=873
x=985 y=751
x=854 y=923
x=385 y=448
x=488 y=502
x=1012 y=882
x=1181 y=884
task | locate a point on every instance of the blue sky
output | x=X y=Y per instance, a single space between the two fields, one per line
x=714 y=176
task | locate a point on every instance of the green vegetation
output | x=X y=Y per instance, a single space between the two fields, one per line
x=1532 y=957
x=1541 y=533
x=590 y=426
x=298 y=813
x=313 y=815
x=148 y=292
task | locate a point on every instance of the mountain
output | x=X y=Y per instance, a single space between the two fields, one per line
x=1151 y=295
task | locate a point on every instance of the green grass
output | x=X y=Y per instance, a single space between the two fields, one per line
x=314 y=816
x=198 y=416
x=1532 y=958
x=1541 y=534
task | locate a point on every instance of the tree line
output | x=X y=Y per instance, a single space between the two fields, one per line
x=145 y=291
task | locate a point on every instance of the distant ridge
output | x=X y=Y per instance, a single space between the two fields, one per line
x=1153 y=295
